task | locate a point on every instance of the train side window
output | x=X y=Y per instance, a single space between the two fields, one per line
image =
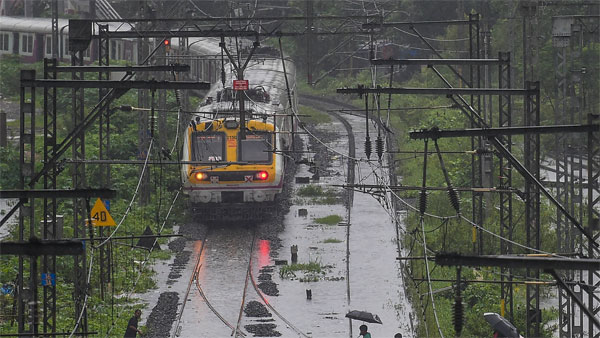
x=256 y=148
x=208 y=146
x=26 y=42
x=66 y=52
x=5 y=42
x=48 y=45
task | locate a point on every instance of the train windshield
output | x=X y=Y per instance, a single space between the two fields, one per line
x=208 y=146
x=257 y=148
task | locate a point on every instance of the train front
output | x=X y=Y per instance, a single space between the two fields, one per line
x=229 y=175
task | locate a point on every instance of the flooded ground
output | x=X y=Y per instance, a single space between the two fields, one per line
x=375 y=284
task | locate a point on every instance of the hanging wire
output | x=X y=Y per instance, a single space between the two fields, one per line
x=87 y=283
x=133 y=197
x=437 y=322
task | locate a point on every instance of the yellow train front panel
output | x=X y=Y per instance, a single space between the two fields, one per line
x=223 y=168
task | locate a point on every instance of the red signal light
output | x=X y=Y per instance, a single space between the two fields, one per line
x=262 y=175
x=167 y=44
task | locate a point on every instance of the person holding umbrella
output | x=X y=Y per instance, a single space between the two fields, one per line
x=363 y=331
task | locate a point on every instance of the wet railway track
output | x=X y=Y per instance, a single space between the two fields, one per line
x=221 y=285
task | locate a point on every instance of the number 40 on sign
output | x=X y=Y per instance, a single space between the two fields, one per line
x=100 y=216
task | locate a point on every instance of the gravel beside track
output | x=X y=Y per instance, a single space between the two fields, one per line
x=162 y=316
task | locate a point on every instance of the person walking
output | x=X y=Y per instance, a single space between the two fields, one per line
x=363 y=331
x=132 y=329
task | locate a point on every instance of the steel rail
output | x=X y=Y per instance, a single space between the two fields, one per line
x=236 y=331
x=267 y=304
x=192 y=278
x=212 y=308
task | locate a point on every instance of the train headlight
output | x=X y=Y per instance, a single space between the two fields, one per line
x=262 y=175
x=200 y=176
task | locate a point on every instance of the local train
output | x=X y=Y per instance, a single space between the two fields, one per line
x=230 y=175
x=31 y=40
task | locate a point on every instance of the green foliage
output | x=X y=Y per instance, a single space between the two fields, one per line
x=310 y=191
x=9 y=167
x=332 y=240
x=329 y=220
x=316 y=117
x=318 y=195
x=10 y=73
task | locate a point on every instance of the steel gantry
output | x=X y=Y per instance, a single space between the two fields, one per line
x=530 y=170
x=49 y=220
x=27 y=306
x=505 y=181
x=570 y=34
x=28 y=313
x=79 y=181
x=104 y=258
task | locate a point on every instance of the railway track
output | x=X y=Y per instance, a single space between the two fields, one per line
x=231 y=289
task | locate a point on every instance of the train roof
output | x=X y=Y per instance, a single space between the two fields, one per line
x=38 y=25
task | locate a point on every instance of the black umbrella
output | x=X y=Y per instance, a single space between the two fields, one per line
x=364 y=316
x=500 y=324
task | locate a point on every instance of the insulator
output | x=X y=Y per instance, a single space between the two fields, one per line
x=379 y=146
x=177 y=97
x=423 y=202
x=454 y=200
x=458 y=316
x=368 y=147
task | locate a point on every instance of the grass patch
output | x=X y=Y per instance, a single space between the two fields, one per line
x=329 y=220
x=332 y=240
x=289 y=271
x=318 y=195
x=315 y=116
x=310 y=191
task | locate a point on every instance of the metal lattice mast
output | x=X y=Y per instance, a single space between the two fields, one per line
x=55 y=44
x=505 y=181
x=574 y=156
x=532 y=205
x=309 y=40
x=49 y=226
x=104 y=149
x=532 y=156
x=143 y=101
x=78 y=176
x=563 y=233
x=593 y=215
x=476 y=143
x=27 y=296
x=161 y=55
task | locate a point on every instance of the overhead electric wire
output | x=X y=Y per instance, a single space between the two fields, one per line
x=437 y=322
x=470 y=222
x=137 y=188
x=84 y=307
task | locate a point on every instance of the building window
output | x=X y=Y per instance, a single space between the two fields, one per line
x=26 y=42
x=5 y=42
